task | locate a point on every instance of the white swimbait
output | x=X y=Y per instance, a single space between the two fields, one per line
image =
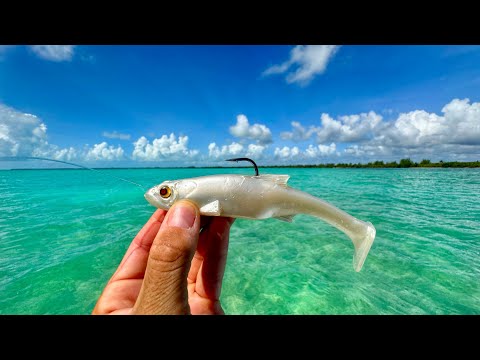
x=261 y=197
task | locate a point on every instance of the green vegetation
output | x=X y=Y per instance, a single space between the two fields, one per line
x=404 y=163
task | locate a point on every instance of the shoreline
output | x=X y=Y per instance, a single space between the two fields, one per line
x=402 y=164
x=249 y=167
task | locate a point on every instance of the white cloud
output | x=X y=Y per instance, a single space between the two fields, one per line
x=411 y=133
x=463 y=120
x=286 y=152
x=116 y=135
x=311 y=152
x=369 y=151
x=255 y=151
x=98 y=152
x=21 y=133
x=234 y=149
x=104 y=152
x=418 y=132
x=414 y=129
x=321 y=150
x=454 y=134
x=54 y=52
x=459 y=125
x=298 y=133
x=68 y=154
x=164 y=148
x=258 y=132
x=310 y=59
x=350 y=128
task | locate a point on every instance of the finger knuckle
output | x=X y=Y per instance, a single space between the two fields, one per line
x=165 y=256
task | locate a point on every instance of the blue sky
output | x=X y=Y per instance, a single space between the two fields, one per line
x=108 y=104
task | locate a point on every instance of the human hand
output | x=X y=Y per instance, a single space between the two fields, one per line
x=171 y=267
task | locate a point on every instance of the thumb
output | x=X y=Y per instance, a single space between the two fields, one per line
x=164 y=288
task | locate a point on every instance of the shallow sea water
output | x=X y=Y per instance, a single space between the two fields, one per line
x=64 y=232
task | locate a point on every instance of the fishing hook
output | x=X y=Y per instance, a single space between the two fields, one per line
x=246 y=159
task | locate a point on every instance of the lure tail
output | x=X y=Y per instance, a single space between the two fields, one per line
x=362 y=244
x=360 y=232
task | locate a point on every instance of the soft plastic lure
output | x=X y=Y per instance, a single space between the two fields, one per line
x=261 y=197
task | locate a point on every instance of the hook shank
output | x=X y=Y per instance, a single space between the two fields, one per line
x=246 y=159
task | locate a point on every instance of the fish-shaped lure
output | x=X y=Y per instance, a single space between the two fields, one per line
x=261 y=197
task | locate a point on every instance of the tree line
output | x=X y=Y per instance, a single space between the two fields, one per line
x=403 y=163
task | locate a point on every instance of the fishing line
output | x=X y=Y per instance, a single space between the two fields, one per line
x=20 y=158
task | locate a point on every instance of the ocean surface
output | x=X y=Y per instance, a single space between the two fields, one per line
x=64 y=232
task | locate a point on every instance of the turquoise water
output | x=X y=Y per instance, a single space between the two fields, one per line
x=63 y=233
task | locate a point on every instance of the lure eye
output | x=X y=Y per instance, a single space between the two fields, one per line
x=165 y=192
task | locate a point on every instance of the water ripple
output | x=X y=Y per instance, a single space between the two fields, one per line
x=62 y=234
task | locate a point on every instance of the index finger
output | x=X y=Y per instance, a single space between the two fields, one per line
x=208 y=264
x=135 y=259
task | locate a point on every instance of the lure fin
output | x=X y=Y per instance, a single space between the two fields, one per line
x=286 y=218
x=277 y=179
x=211 y=209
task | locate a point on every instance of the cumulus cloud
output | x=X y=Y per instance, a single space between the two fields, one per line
x=21 y=134
x=116 y=135
x=455 y=133
x=459 y=125
x=463 y=121
x=243 y=130
x=67 y=154
x=165 y=148
x=321 y=150
x=310 y=153
x=310 y=60
x=368 y=151
x=104 y=152
x=298 y=133
x=350 y=128
x=419 y=132
x=98 y=152
x=234 y=149
x=286 y=153
x=56 y=53
x=255 y=151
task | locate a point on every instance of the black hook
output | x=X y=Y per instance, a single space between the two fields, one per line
x=246 y=159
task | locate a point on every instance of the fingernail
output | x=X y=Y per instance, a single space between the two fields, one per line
x=183 y=216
